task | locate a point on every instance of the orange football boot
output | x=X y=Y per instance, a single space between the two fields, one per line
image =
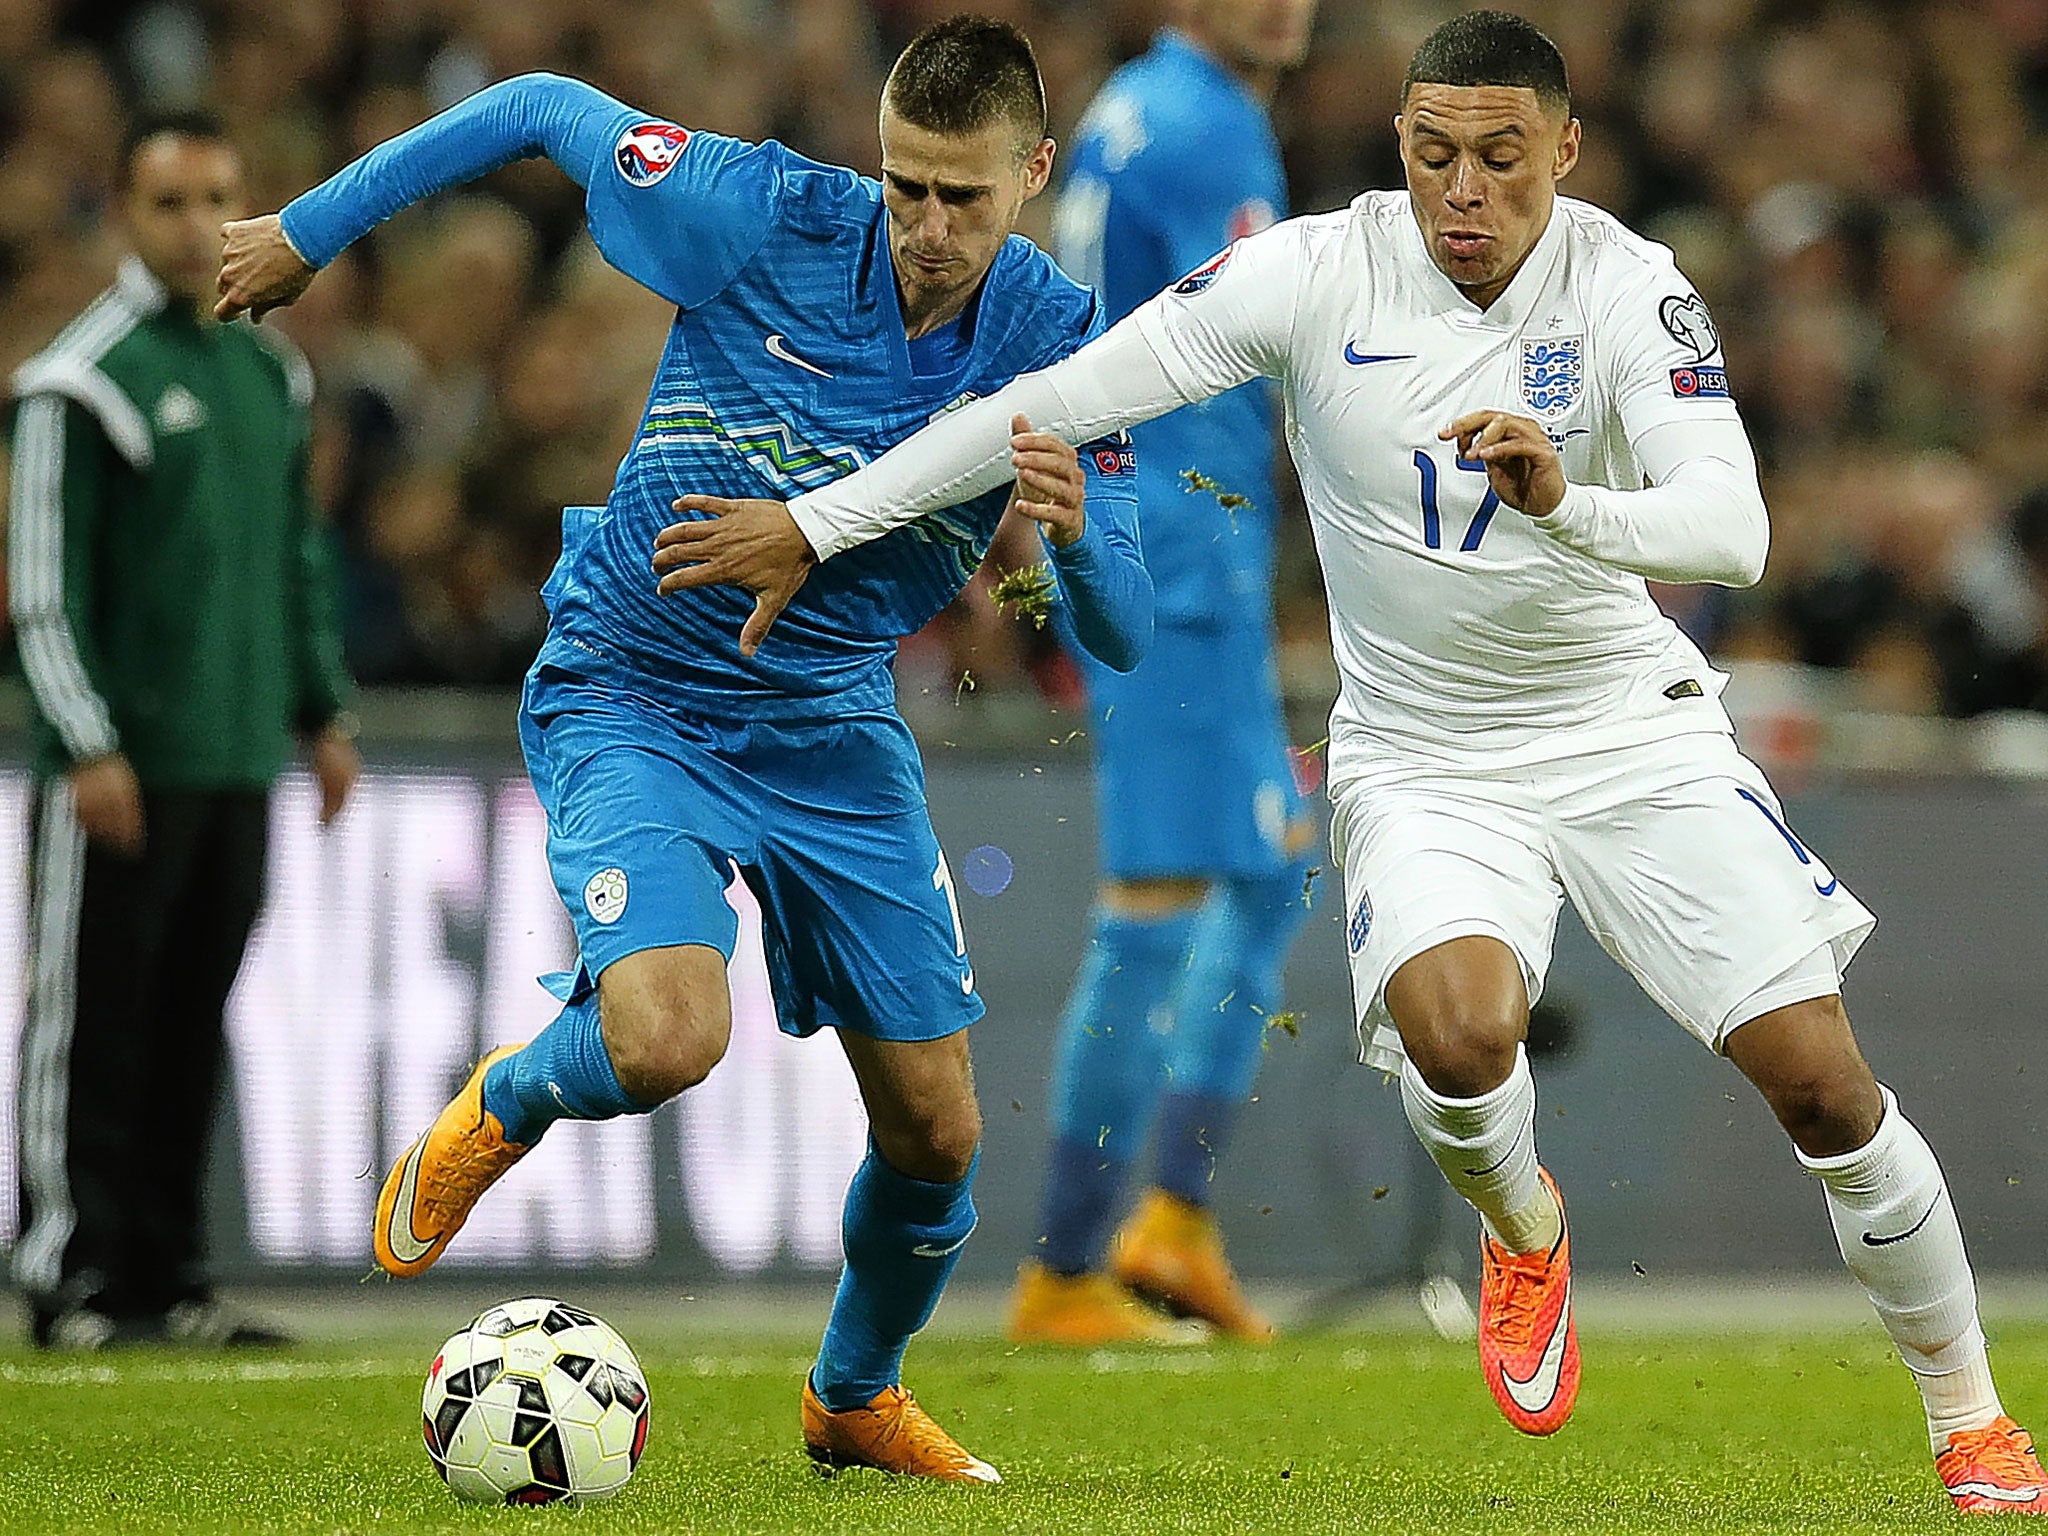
x=1086 y=1311
x=1993 y=1471
x=429 y=1192
x=1171 y=1253
x=891 y=1433
x=1528 y=1344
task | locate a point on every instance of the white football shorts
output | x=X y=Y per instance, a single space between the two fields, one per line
x=1676 y=854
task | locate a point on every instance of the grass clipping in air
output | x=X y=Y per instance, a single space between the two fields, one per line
x=1027 y=593
x=1229 y=501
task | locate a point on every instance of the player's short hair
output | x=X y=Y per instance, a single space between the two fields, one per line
x=963 y=73
x=185 y=123
x=1491 y=48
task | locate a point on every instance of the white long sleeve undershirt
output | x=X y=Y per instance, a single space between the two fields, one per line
x=1702 y=519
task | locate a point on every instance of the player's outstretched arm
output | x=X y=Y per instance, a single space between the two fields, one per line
x=1229 y=321
x=270 y=260
x=1114 y=382
x=754 y=544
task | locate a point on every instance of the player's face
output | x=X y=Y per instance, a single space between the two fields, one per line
x=1483 y=165
x=180 y=191
x=953 y=199
x=1256 y=34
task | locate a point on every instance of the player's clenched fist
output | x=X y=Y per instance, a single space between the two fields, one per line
x=1051 y=490
x=259 y=269
x=1521 y=462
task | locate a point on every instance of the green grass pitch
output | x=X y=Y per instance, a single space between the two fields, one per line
x=1347 y=1432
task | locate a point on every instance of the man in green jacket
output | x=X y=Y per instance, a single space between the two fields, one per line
x=176 y=623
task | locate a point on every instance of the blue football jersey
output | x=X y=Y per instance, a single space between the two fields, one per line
x=786 y=367
x=1173 y=160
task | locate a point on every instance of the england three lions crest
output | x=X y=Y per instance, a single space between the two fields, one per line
x=1553 y=375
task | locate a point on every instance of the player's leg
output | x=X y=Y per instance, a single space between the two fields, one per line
x=641 y=821
x=1109 y=1060
x=861 y=932
x=1171 y=1249
x=1241 y=816
x=1897 y=1230
x=1169 y=801
x=909 y=1212
x=1452 y=908
x=1740 y=931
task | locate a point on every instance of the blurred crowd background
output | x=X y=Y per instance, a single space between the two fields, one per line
x=1859 y=188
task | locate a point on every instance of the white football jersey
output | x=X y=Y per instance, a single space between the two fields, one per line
x=1460 y=627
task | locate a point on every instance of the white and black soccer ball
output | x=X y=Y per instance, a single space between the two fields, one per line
x=535 y=1402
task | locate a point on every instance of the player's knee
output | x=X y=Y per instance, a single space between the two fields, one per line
x=1805 y=1062
x=1827 y=1108
x=1461 y=1008
x=1465 y=1047
x=936 y=1143
x=665 y=1037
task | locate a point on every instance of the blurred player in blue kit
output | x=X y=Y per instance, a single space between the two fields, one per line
x=1203 y=833
x=821 y=317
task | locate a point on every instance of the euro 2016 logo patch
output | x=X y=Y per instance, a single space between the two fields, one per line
x=646 y=152
x=1553 y=375
x=1204 y=275
x=604 y=896
x=1361 y=923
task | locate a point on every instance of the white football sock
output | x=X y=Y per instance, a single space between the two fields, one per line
x=1486 y=1147
x=1898 y=1234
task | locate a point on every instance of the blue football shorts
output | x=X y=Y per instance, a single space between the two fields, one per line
x=1192 y=771
x=649 y=813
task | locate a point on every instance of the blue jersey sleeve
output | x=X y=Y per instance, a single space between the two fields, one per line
x=1104 y=586
x=678 y=210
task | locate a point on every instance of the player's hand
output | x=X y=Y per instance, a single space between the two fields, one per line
x=337 y=765
x=1521 y=462
x=1051 y=490
x=748 y=543
x=259 y=270
x=107 y=799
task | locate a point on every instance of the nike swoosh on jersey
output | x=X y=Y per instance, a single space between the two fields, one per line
x=779 y=350
x=1535 y=1394
x=1900 y=1237
x=1360 y=359
x=405 y=1244
x=967 y=983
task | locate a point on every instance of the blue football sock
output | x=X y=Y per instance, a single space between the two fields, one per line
x=902 y=1238
x=1233 y=989
x=564 y=1073
x=1107 y=1073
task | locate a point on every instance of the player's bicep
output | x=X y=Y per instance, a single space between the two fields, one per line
x=681 y=210
x=1666 y=358
x=1230 y=319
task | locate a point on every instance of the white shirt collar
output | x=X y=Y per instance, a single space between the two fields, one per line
x=1512 y=308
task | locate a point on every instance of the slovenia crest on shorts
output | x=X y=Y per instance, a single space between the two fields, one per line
x=1553 y=374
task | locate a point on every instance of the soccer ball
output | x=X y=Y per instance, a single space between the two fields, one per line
x=535 y=1401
